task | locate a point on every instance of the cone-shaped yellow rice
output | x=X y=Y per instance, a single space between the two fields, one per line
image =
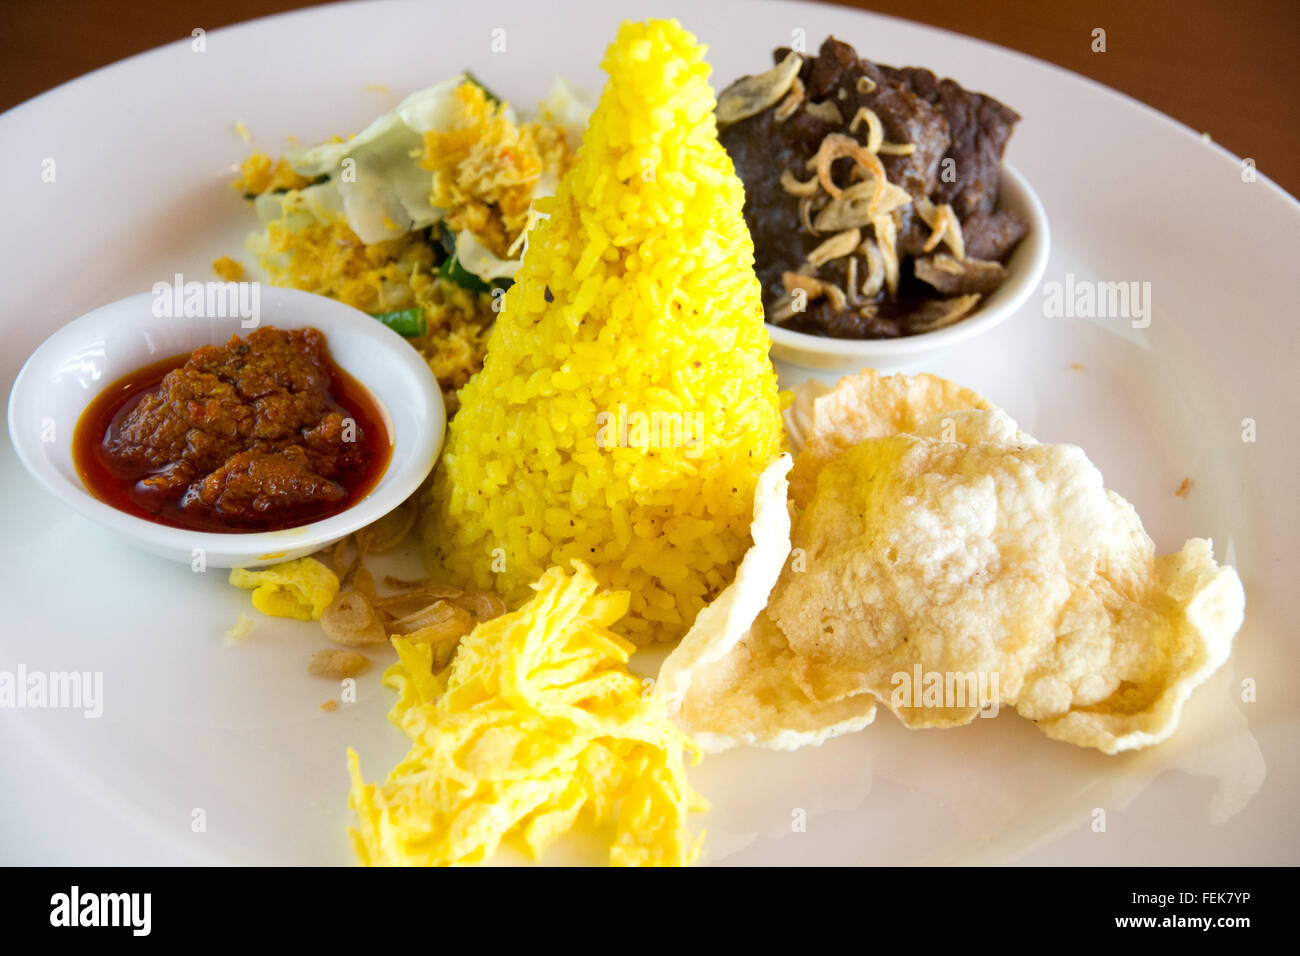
x=627 y=403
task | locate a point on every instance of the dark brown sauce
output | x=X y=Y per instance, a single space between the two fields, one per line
x=119 y=485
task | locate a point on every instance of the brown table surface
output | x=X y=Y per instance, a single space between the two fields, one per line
x=1225 y=67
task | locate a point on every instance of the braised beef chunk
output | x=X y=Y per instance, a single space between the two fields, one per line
x=941 y=143
x=980 y=127
x=909 y=119
x=833 y=67
x=992 y=235
x=913 y=233
x=953 y=277
x=822 y=319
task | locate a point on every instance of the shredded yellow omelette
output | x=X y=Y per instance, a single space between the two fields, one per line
x=535 y=727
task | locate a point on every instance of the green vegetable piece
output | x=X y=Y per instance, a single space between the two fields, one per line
x=491 y=97
x=445 y=238
x=405 y=322
x=452 y=271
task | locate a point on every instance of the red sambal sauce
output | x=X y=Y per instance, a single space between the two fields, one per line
x=260 y=434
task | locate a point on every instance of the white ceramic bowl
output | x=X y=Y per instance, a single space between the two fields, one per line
x=75 y=363
x=1024 y=271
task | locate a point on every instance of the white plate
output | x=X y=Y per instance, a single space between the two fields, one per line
x=143 y=152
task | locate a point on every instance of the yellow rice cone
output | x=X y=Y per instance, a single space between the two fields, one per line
x=627 y=403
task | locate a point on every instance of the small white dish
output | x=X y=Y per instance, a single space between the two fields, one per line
x=1024 y=271
x=78 y=361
